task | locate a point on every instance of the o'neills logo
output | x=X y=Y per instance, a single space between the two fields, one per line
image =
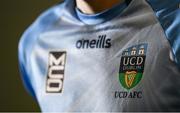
x=132 y=65
x=101 y=42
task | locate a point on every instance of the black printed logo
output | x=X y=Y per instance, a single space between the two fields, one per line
x=101 y=42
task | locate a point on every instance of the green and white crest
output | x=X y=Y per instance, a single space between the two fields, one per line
x=132 y=65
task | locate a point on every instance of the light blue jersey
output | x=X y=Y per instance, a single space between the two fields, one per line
x=126 y=58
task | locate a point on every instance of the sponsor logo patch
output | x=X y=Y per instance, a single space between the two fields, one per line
x=132 y=65
x=56 y=68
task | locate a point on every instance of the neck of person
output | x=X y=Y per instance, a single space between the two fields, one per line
x=95 y=6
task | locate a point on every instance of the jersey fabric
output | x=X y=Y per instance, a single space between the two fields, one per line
x=126 y=58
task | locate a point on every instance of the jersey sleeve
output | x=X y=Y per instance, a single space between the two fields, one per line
x=23 y=50
x=28 y=40
x=25 y=47
x=168 y=14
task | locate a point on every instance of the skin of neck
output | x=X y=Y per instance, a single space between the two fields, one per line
x=95 y=6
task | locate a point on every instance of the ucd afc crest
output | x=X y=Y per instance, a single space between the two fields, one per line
x=132 y=65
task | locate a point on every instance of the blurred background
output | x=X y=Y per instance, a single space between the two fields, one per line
x=15 y=17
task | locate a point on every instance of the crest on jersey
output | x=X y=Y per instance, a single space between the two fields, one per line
x=132 y=65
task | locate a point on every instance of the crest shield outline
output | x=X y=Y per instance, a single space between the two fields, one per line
x=132 y=65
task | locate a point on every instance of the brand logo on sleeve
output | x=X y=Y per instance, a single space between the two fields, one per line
x=132 y=65
x=56 y=69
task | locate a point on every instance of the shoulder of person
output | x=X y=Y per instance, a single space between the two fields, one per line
x=168 y=14
x=29 y=37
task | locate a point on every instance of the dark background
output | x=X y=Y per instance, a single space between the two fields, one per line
x=15 y=17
